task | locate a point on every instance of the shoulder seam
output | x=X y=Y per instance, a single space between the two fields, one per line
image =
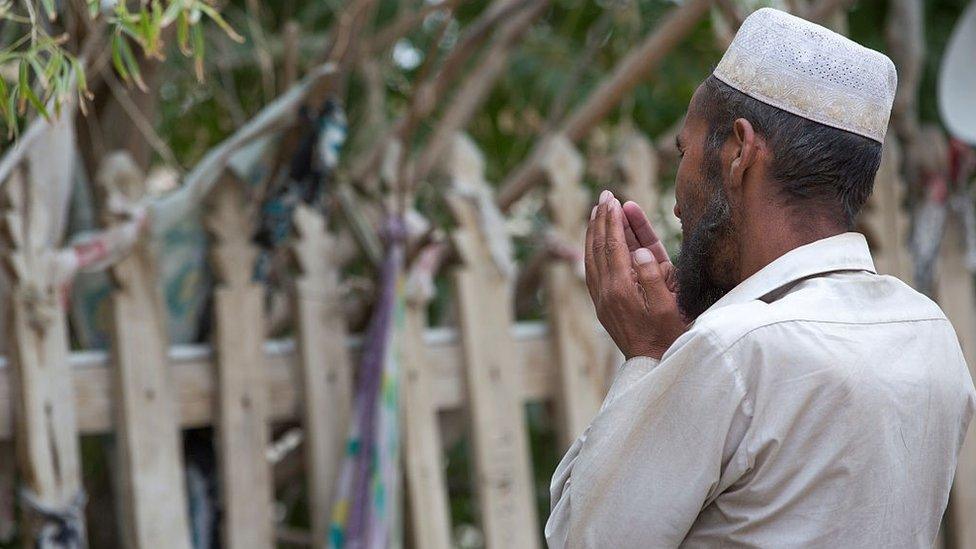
x=814 y=321
x=734 y=368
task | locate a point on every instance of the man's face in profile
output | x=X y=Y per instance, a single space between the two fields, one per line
x=706 y=267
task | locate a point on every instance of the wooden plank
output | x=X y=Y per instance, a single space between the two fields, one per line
x=242 y=400
x=957 y=299
x=44 y=404
x=504 y=480
x=193 y=372
x=153 y=507
x=576 y=346
x=425 y=476
x=325 y=371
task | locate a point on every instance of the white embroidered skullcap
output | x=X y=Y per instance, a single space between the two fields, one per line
x=810 y=71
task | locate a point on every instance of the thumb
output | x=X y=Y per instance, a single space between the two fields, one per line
x=653 y=279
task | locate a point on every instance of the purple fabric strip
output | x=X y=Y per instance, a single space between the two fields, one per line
x=370 y=375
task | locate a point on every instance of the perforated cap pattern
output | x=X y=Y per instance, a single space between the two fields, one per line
x=810 y=71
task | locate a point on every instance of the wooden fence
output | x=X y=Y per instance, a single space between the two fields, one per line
x=146 y=391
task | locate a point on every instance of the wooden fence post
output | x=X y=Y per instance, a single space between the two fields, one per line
x=326 y=374
x=639 y=164
x=956 y=296
x=42 y=382
x=500 y=441
x=153 y=507
x=885 y=220
x=576 y=343
x=426 y=485
x=242 y=410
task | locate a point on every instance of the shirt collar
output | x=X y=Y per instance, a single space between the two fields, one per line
x=843 y=252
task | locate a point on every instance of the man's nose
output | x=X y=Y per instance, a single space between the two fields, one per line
x=677 y=211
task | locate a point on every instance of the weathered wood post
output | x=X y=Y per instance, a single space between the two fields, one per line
x=639 y=164
x=242 y=408
x=954 y=283
x=153 y=507
x=483 y=289
x=42 y=388
x=325 y=370
x=572 y=320
x=426 y=485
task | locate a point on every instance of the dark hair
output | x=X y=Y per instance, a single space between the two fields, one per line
x=830 y=169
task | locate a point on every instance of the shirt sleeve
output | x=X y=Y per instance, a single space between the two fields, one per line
x=658 y=451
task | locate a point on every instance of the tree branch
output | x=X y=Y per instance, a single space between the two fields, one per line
x=634 y=68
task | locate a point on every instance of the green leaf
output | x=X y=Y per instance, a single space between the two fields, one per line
x=198 y=49
x=156 y=25
x=173 y=10
x=22 y=83
x=46 y=86
x=145 y=29
x=11 y=114
x=117 y=57
x=35 y=101
x=217 y=18
x=53 y=67
x=122 y=10
x=183 y=34
x=4 y=98
x=80 y=78
x=132 y=65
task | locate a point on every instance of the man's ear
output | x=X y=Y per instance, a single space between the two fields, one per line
x=745 y=152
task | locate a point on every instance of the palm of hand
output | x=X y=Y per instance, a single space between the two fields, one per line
x=631 y=279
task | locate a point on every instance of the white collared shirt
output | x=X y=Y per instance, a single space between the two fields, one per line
x=817 y=404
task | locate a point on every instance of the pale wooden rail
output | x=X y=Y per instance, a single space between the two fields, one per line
x=194 y=378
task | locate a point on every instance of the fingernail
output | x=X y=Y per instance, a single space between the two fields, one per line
x=605 y=195
x=642 y=256
x=593 y=213
x=614 y=205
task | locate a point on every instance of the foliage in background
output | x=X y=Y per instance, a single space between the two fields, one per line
x=48 y=73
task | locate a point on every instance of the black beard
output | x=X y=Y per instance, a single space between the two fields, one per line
x=697 y=290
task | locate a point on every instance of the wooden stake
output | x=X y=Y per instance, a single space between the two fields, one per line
x=502 y=461
x=242 y=409
x=426 y=485
x=153 y=505
x=576 y=344
x=43 y=393
x=325 y=371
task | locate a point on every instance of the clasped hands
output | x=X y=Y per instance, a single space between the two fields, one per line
x=631 y=279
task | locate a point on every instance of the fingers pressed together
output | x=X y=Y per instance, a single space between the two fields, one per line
x=627 y=273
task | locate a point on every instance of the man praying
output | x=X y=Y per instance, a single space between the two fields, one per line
x=777 y=391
